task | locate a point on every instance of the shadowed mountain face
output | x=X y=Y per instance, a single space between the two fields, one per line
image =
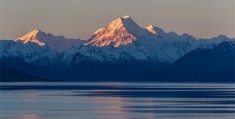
x=9 y=74
x=216 y=63
x=212 y=64
x=121 y=51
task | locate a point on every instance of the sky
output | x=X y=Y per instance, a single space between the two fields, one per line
x=80 y=18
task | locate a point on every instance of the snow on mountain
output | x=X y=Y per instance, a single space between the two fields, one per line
x=119 y=32
x=121 y=40
x=34 y=36
x=30 y=52
x=146 y=44
x=151 y=29
x=58 y=43
x=122 y=47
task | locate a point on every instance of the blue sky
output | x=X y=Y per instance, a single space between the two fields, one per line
x=80 y=18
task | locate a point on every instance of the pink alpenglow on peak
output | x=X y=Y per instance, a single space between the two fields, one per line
x=33 y=36
x=58 y=43
x=119 y=32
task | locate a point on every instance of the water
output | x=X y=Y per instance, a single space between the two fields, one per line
x=117 y=101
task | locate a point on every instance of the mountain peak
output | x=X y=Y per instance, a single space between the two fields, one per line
x=130 y=26
x=119 y=32
x=120 y=22
x=36 y=30
x=34 y=36
x=58 y=43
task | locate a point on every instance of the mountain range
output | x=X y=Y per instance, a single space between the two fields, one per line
x=120 y=51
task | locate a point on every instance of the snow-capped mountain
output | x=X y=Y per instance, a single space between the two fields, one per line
x=121 y=40
x=58 y=43
x=122 y=47
x=30 y=52
x=119 y=32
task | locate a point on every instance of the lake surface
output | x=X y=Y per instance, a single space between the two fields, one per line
x=117 y=101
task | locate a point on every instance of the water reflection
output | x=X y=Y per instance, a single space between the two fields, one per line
x=111 y=104
x=117 y=101
x=29 y=116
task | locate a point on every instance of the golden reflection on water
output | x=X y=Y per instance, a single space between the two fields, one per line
x=29 y=116
x=111 y=104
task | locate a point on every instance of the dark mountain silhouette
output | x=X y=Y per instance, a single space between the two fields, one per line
x=213 y=64
x=9 y=74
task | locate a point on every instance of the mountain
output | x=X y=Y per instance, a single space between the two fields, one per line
x=211 y=64
x=120 y=51
x=119 y=32
x=58 y=43
x=124 y=40
x=8 y=73
x=30 y=52
x=216 y=63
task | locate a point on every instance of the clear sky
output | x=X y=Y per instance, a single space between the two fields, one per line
x=80 y=18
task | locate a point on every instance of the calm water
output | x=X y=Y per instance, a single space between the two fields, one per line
x=117 y=101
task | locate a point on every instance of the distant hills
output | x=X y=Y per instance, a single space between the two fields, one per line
x=121 y=51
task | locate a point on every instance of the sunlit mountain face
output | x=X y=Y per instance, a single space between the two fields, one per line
x=119 y=32
x=58 y=43
x=120 y=51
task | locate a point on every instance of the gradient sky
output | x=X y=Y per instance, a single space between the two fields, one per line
x=80 y=18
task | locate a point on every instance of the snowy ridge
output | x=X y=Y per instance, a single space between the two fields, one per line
x=121 y=40
x=30 y=52
x=58 y=43
x=33 y=36
x=146 y=44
